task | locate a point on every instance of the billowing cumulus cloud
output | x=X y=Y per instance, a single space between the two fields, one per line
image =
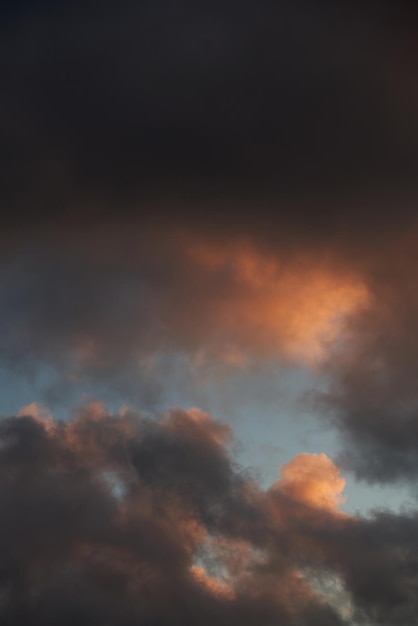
x=119 y=518
x=105 y=518
x=314 y=479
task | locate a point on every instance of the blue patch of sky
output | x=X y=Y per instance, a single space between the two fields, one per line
x=267 y=406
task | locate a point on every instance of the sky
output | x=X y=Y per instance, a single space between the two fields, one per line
x=208 y=313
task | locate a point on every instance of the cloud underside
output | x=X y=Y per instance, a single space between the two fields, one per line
x=139 y=521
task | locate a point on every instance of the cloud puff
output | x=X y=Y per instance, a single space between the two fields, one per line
x=313 y=479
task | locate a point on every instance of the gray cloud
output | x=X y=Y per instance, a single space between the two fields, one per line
x=74 y=547
x=112 y=517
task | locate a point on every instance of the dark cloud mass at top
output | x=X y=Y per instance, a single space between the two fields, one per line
x=225 y=182
x=116 y=106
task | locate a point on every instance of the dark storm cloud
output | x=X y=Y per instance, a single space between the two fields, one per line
x=377 y=559
x=116 y=106
x=374 y=394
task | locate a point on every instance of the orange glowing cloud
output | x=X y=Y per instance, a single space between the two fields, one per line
x=40 y=414
x=196 y=423
x=312 y=479
x=37 y=411
x=216 y=586
x=295 y=307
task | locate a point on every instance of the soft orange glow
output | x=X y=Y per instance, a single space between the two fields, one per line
x=218 y=587
x=294 y=308
x=80 y=437
x=39 y=414
x=314 y=480
x=197 y=423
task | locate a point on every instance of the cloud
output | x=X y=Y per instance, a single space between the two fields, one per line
x=372 y=396
x=155 y=523
x=108 y=305
x=152 y=109
x=91 y=312
x=228 y=184
x=313 y=479
x=72 y=547
x=217 y=182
